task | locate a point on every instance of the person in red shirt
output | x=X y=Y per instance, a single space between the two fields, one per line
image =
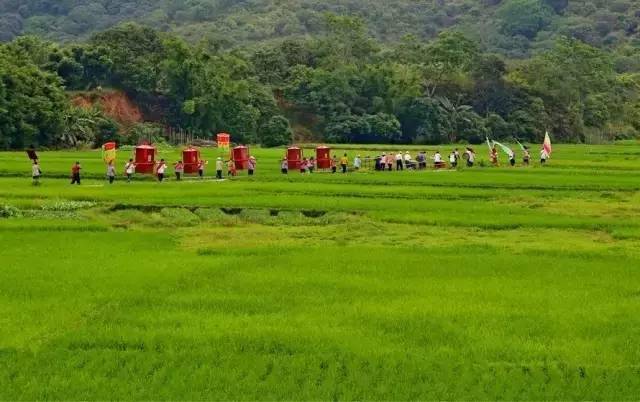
x=75 y=173
x=178 y=168
x=201 y=164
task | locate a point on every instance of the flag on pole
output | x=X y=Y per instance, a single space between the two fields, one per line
x=489 y=144
x=504 y=148
x=522 y=147
x=547 y=144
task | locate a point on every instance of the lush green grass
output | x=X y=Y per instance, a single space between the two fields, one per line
x=489 y=283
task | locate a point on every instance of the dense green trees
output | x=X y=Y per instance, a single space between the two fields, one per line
x=514 y=28
x=32 y=103
x=341 y=86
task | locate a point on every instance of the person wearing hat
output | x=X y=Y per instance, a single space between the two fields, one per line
x=357 y=163
x=219 y=167
x=252 y=165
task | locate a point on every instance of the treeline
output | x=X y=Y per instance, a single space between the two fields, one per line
x=343 y=86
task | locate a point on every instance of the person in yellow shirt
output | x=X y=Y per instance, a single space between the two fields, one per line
x=344 y=162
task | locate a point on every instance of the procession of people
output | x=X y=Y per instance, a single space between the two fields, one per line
x=383 y=162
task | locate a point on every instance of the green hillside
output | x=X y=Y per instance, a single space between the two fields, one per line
x=512 y=27
x=421 y=72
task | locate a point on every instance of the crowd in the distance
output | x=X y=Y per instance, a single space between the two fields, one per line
x=399 y=161
x=383 y=162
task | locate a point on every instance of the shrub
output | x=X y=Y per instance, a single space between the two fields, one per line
x=9 y=211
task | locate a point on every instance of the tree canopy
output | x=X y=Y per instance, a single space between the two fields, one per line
x=343 y=85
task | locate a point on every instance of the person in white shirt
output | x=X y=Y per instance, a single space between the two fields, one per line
x=111 y=172
x=408 y=160
x=453 y=160
x=219 y=168
x=437 y=158
x=471 y=157
x=399 y=161
x=160 y=169
x=357 y=163
x=543 y=156
x=36 y=172
x=129 y=169
x=512 y=158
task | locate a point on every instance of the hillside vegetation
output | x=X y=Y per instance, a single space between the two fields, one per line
x=511 y=27
x=344 y=78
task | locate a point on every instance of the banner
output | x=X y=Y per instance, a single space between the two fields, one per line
x=547 y=144
x=224 y=141
x=504 y=148
x=109 y=152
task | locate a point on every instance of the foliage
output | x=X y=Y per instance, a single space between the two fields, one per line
x=511 y=27
x=276 y=132
x=342 y=85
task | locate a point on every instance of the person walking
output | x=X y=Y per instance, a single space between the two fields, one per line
x=512 y=158
x=493 y=157
x=284 y=166
x=408 y=160
x=344 y=162
x=75 y=173
x=252 y=165
x=543 y=156
x=111 y=172
x=334 y=164
x=231 y=168
x=390 y=159
x=129 y=170
x=219 y=167
x=304 y=168
x=453 y=161
x=201 y=164
x=160 y=170
x=457 y=154
x=471 y=157
x=437 y=160
x=422 y=160
x=399 y=161
x=178 y=168
x=36 y=172
x=526 y=157
x=357 y=163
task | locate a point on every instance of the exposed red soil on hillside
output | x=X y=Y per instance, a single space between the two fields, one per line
x=115 y=104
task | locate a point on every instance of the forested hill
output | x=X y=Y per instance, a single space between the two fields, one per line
x=514 y=28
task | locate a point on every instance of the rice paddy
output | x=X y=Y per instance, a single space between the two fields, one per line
x=485 y=283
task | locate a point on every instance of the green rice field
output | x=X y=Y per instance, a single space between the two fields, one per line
x=489 y=283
